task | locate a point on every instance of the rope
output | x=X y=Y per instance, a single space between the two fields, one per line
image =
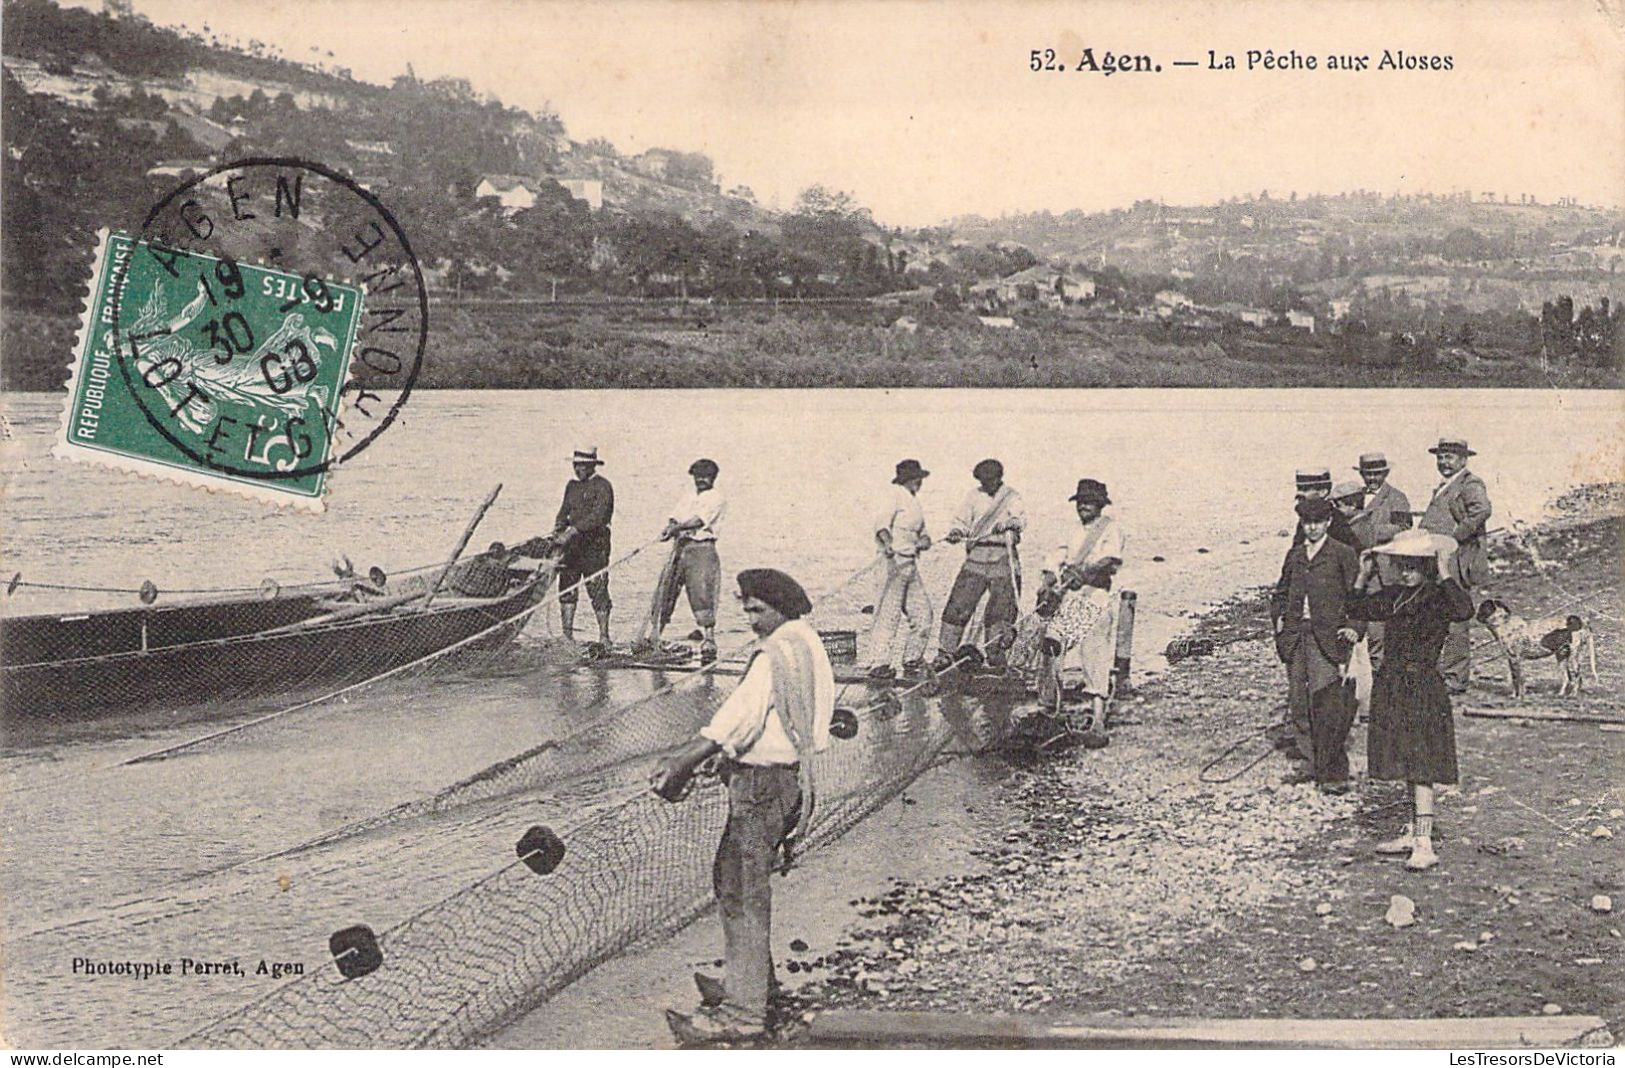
x=311 y=585
x=515 y=620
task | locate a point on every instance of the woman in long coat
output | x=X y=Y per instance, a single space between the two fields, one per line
x=1413 y=736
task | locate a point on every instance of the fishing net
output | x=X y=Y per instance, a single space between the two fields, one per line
x=459 y=969
x=471 y=937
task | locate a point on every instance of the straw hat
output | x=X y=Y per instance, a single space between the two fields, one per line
x=1416 y=543
x=1455 y=445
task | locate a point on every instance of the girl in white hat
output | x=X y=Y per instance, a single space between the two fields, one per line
x=1412 y=737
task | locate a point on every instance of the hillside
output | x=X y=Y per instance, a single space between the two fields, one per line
x=104 y=115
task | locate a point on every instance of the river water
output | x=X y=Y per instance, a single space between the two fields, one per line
x=1202 y=479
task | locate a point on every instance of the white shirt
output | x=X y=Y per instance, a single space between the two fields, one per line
x=1440 y=488
x=1109 y=544
x=1310 y=550
x=905 y=519
x=975 y=510
x=708 y=507
x=747 y=725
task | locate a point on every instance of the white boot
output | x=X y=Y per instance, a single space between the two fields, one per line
x=1422 y=856
x=1401 y=844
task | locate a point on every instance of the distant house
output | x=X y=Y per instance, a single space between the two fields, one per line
x=1302 y=320
x=515 y=192
x=654 y=163
x=1172 y=299
x=1340 y=308
x=997 y=322
x=1049 y=286
x=1250 y=316
x=589 y=190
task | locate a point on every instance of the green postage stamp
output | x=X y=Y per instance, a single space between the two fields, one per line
x=206 y=371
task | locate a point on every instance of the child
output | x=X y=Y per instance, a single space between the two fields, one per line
x=1412 y=737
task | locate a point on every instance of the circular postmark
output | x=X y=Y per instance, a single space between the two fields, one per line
x=262 y=315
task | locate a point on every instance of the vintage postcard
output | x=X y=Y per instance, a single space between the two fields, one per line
x=838 y=524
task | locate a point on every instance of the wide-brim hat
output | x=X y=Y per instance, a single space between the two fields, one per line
x=1348 y=489
x=1091 y=491
x=908 y=471
x=1372 y=462
x=1456 y=445
x=1418 y=543
x=585 y=456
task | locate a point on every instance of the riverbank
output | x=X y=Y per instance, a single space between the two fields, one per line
x=539 y=345
x=1125 y=884
x=1117 y=881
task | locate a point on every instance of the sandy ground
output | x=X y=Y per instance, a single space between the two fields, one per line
x=1123 y=881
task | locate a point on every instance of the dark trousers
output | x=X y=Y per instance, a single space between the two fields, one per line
x=1456 y=656
x=763 y=802
x=1331 y=714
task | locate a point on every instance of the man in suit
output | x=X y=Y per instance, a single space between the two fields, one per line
x=1313 y=637
x=1460 y=507
x=1384 y=512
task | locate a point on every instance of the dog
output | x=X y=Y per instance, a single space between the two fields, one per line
x=1565 y=638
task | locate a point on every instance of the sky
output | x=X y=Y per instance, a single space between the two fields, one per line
x=924 y=111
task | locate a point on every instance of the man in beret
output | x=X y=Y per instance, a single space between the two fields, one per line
x=989 y=522
x=1460 y=508
x=1313 y=637
x=766 y=733
x=695 y=566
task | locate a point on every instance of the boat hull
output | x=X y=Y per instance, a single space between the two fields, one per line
x=190 y=654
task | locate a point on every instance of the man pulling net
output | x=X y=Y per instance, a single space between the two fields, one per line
x=764 y=735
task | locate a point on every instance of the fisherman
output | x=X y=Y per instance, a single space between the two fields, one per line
x=693 y=522
x=1313 y=637
x=1077 y=580
x=1384 y=513
x=766 y=733
x=900 y=534
x=989 y=521
x=1315 y=483
x=581 y=534
x=1459 y=509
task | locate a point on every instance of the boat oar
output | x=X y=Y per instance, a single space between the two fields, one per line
x=462 y=543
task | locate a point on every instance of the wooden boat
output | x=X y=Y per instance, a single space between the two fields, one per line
x=64 y=667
